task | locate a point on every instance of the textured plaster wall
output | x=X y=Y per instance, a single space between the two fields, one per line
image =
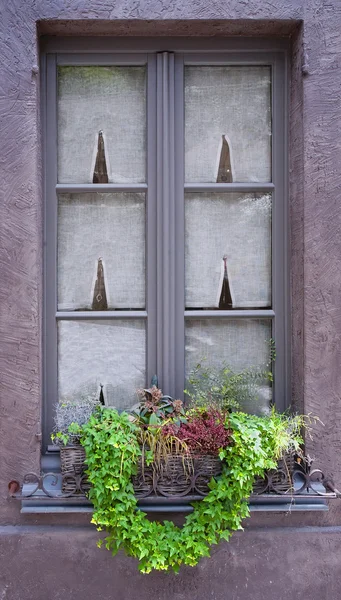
x=265 y=566
x=315 y=218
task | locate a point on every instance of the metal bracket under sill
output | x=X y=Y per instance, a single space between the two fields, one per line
x=44 y=495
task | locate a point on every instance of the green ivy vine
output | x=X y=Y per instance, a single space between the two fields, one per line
x=111 y=443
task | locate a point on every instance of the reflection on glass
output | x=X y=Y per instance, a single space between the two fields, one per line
x=107 y=353
x=239 y=344
x=231 y=104
x=228 y=247
x=101 y=251
x=101 y=108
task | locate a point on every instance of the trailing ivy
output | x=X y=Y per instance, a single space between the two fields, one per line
x=111 y=443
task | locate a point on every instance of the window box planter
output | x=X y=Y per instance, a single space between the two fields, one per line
x=176 y=477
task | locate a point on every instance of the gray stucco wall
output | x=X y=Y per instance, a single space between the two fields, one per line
x=277 y=557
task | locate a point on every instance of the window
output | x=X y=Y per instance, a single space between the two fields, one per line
x=165 y=216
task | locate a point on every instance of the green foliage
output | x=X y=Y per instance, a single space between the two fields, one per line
x=227 y=389
x=60 y=439
x=111 y=442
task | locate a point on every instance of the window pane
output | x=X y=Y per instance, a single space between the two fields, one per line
x=239 y=344
x=101 y=251
x=234 y=102
x=101 y=105
x=228 y=242
x=108 y=353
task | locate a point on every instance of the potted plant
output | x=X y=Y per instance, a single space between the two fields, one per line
x=70 y=415
x=154 y=408
x=247 y=446
x=179 y=449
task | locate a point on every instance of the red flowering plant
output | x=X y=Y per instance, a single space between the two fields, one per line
x=203 y=433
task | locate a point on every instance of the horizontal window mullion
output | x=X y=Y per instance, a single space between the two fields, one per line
x=81 y=188
x=229 y=314
x=229 y=187
x=99 y=314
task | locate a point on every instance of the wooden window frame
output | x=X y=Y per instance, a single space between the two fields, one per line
x=165 y=307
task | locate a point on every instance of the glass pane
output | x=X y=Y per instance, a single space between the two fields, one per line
x=108 y=353
x=239 y=344
x=228 y=250
x=228 y=124
x=101 y=251
x=101 y=108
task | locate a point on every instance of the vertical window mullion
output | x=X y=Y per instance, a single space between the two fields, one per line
x=151 y=221
x=165 y=234
x=179 y=234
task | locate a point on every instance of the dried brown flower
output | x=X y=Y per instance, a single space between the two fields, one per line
x=177 y=404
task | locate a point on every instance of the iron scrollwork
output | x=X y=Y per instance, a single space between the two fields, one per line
x=50 y=485
x=298 y=481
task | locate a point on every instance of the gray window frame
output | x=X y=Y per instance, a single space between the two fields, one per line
x=165 y=307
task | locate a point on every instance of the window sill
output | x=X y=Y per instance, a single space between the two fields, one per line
x=44 y=496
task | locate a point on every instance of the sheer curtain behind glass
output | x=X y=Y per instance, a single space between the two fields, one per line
x=107 y=353
x=237 y=226
x=237 y=344
x=231 y=101
x=110 y=227
x=106 y=99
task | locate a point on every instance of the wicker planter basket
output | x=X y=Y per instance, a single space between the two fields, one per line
x=72 y=459
x=177 y=475
x=278 y=480
x=72 y=465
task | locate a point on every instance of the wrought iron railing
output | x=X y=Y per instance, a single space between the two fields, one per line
x=281 y=484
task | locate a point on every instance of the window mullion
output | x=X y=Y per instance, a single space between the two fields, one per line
x=81 y=188
x=105 y=314
x=229 y=187
x=166 y=231
x=230 y=314
x=151 y=221
x=165 y=202
x=179 y=233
